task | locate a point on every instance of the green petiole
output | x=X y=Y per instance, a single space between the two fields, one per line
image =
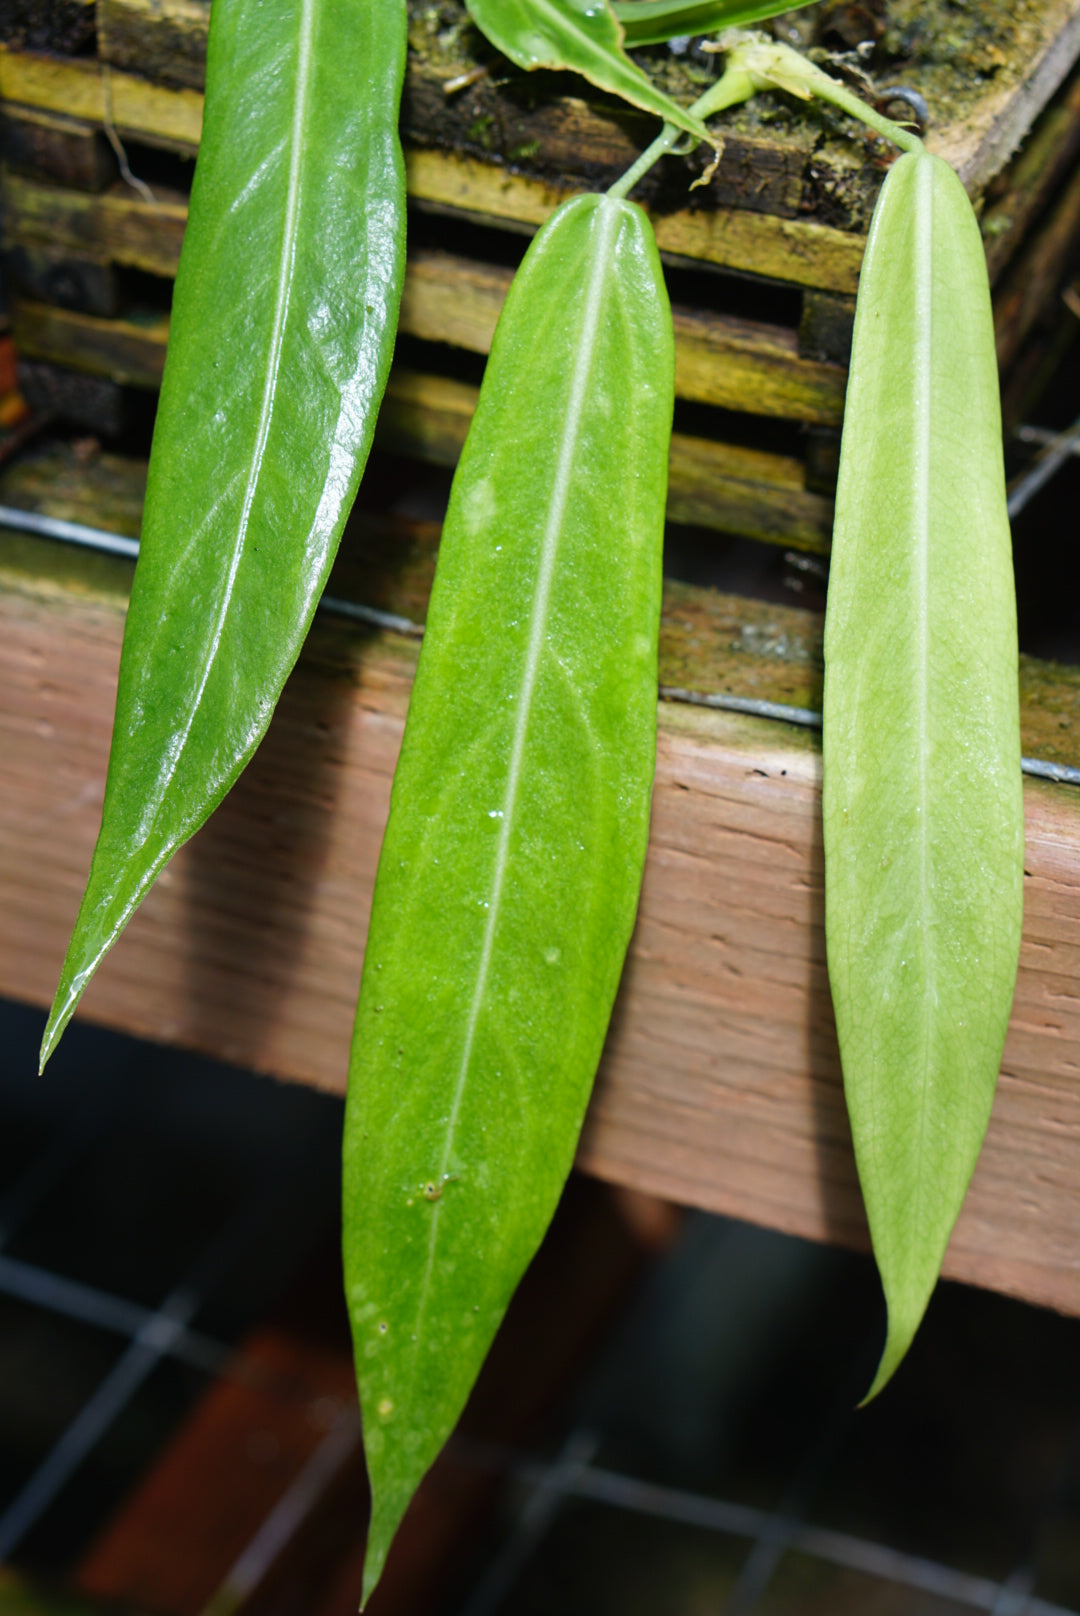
x=755 y=64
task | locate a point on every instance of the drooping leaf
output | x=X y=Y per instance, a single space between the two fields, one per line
x=283 y=324
x=582 y=36
x=923 y=812
x=651 y=22
x=512 y=858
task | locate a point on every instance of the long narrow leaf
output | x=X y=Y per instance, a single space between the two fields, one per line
x=650 y=22
x=923 y=811
x=512 y=859
x=283 y=323
x=580 y=35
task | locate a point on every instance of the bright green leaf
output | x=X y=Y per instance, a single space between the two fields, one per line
x=283 y=324
x=581 y=35
x=512 y=859
x=923 y=812
x=651 y=22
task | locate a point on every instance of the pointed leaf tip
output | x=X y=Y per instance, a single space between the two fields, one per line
x=521 y=827
x=386 y=1517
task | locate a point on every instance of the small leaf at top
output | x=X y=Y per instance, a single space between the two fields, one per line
x=513 y=854
x=923 y=814
x=651 y=22
x=282 y=330
x=580 y=35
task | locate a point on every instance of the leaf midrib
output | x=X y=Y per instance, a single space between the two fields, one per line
x=924 y=335
x=285 y=276
x=560 y=489
x=629 y=71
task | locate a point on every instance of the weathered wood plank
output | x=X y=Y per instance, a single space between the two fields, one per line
x=123 y=226
x=117 y=225
x=716 y=485
x=163 y=40
x=66 y=150
x=1019 y=194
x=984 y=94
x=1033 y=279
x=720 y=1084
x=738 y=364
x=769 y=177
x=797 y=250
x=83 y=89
x=128 y=351
x=979 y=145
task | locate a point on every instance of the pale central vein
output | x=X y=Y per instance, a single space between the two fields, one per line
x=549 y=549
x=274 y=347
x=924 y=319
x=286 y=265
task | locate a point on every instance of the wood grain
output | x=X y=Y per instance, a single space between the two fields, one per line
x=720 y=1085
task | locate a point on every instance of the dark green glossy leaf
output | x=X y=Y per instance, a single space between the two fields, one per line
x=581 y=35
x=512 y=859
x=283 y=324
x=650 y=22
x=923 y=811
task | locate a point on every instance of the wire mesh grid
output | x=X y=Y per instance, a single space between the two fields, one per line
x=606 y=1503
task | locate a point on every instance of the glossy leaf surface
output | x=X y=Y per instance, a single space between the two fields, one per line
x=923 y=812
x=282 y=328
x=512 y=859
x=651 y=22
x=581 y=35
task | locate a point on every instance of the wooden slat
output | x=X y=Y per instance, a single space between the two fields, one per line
x=757 y=216
x=117 y=225
x=80 y=88
x=1032 y=280
x=161 y=39
x=716 y=485
x=1029 y=53
x=720 y=1085
x=979 y=146
x=67 y=150
x=797 y=250
x=129 y=351
x=1020 y=194
x=720 y=359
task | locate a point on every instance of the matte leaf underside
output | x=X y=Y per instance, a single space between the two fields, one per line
x=922 y=806
x=512 y=859
x=282 y=328
x=580 y=35
x=651 y=22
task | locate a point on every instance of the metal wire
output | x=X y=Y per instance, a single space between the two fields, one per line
x=288 y=1515
x=835 y=1548
x=1052 y=458
x=51 y=527
x=550 y=1487
x=157 y=1335
x=1040 y=768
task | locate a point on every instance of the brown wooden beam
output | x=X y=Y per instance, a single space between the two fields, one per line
x=720 y=1084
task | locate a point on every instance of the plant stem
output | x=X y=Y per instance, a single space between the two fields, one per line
x=827 y=89
x=754 y=66
x=733 y=86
